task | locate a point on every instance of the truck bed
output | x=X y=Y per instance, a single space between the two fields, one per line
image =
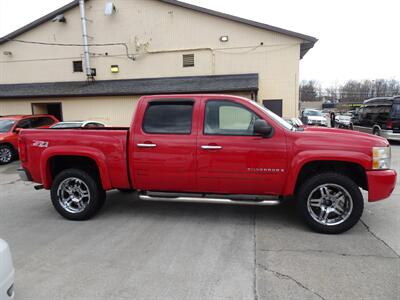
x=108 y=144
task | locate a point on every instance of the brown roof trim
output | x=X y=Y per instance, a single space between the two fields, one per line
x=128 y=87
x=308 y=41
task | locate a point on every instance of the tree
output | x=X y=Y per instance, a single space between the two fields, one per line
x=310 y=90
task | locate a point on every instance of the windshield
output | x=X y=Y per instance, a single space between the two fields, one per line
x=275 y=117
x=316 y=113
x=6 y=125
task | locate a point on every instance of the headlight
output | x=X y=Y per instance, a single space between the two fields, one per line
x=381 y=158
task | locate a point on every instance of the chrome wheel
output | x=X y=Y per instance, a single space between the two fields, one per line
x=330 y=204
x=73 y=195
x=5 y=155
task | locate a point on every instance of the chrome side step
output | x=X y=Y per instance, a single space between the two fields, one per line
x=265 y=202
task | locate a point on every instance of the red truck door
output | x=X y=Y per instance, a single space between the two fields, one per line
x=231 y=159
x=164 y=145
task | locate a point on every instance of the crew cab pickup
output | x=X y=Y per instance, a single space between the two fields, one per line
x=213 y=149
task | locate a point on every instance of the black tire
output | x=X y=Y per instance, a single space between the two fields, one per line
x=335 y=180
x=377 y=132
x=7 y=154
x=87 y=183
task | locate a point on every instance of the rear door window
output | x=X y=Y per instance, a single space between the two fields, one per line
x=169 y=117
x=42 y=121
x=24 y=124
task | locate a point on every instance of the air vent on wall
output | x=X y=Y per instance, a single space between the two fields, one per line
x=188 y=60
x=77 y=66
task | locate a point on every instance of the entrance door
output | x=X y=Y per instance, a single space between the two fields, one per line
x=54 y=109
x=231 y=158
x=274 y=105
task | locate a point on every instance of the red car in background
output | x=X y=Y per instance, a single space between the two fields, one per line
x=9 y=129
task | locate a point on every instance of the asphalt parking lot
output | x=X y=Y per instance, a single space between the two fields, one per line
x=136 y=250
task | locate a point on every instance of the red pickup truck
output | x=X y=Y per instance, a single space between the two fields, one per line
x=213 y=149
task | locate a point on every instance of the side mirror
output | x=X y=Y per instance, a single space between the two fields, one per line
x=17 y=130
x=263 y=128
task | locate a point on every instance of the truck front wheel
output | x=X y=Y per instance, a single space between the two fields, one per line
x=7 y=154
x=330 y=203
x=76 y=195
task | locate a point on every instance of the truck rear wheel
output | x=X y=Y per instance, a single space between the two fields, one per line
x=330 y=203
x=76 y=195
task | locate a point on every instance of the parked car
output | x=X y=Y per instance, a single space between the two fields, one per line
x=379 y=116
x=326 y=113
x=343 y=121
x=6 y=272
x=212 y=149
x=315 y=117
x=295 y=122
x=78 y=124
x=9 y=128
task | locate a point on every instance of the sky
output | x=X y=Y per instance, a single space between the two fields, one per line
x=358 y=39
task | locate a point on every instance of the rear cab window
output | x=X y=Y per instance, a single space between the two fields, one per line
x=169 y=117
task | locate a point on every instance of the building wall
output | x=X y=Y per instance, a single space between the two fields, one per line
x=114 y=111
x=158 y=34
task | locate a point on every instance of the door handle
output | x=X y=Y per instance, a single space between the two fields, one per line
x=146 y=145
x=209 y=147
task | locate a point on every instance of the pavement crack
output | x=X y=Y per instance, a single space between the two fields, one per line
x=255 y=291
x=329 y=252
x=10 y=182
x=287 y=277
x=378 y=238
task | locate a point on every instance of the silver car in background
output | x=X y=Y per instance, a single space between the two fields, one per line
x=78 y=124
x=315 y=117
x=6 y=272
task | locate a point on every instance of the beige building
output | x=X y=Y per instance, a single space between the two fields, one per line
x=141 y=47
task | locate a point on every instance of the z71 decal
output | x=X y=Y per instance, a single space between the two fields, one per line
x=40 y=144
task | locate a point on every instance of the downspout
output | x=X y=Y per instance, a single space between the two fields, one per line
x=88 y=69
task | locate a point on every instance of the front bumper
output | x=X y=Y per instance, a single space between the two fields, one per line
x=380 y=184
x=7 y=287
x=390 y=135
x=24 y=174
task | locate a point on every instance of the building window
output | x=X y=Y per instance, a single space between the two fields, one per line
x=188 y=60
x=77 y=66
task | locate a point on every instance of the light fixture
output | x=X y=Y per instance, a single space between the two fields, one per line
x=60 y=18
x=114 y=69
x=7 y=53
x=224 y=38
x=109 y=9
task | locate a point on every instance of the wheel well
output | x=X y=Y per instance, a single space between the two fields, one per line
x=9 y=145
x=376 y=128
x=59 y=163
x=352 y=170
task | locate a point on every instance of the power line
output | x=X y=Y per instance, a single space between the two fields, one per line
x=76 y=45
